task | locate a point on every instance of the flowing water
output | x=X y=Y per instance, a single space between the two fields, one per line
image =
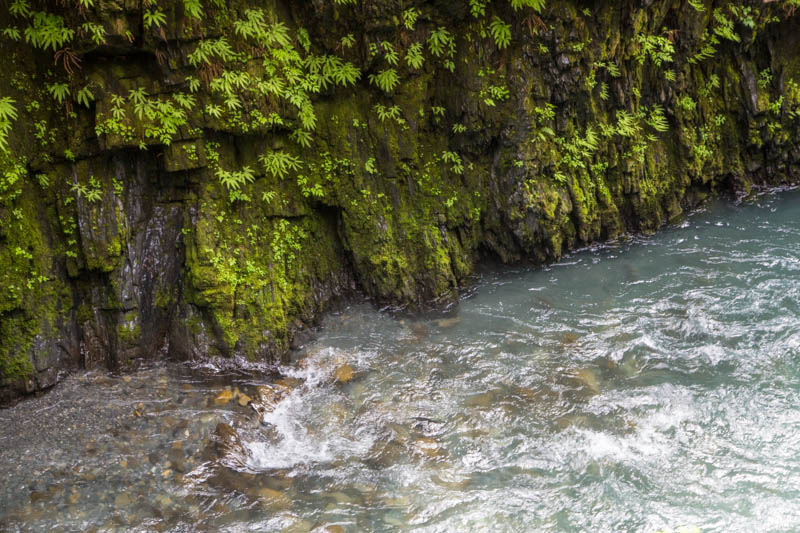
x=647 y=385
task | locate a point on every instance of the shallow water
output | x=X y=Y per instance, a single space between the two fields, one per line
x=644 y=385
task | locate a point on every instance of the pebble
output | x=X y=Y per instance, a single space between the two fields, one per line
x=223 y=397
x=244 y=400
x=288 y=383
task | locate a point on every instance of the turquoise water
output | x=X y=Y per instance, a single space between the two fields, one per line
x=642 y=385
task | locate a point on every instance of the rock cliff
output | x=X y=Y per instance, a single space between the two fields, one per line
x=194 y=178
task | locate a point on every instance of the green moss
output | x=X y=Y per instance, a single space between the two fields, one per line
x=129 y=330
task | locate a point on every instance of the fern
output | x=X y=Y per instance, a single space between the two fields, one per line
x=139 y=98
x=477 y=8
x=590 y=140
x=254 y=26
x=12 y=33
x=85 y=97
x=657 y=120
x=59 y=91
x=346 y=74
x=92 y=192
x=455 y=161
x=658 y=48
x=20 y=8
x=707 y=50
x=627 y=125
x=613 y=70
x=410 y=17
x=8 y=114
x=210 y=49
x=214 y=110
x=8 y=111
x=414 y=57
x=279 y=163
x=724 y=26
x=48 y=32
x=184 y=100
x=392 y=57
x=304 y=39
x=697 y=5
x=235 y=180
x=96 y=32
x=501 y=32
x=604 y=91
x=193 y=9
x=440 y=41
x=536 y=5
x=154 y=17
x=392 y=113
x=387 y=79
x=494 y=93
x=302 y=137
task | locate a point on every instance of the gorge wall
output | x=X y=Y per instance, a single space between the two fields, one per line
x=198 y=178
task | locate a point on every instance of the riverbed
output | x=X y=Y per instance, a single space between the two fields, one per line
x=642 y=385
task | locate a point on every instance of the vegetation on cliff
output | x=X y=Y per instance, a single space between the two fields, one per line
x=203 y=177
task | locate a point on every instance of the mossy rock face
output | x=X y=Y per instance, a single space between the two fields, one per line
x=119 y=238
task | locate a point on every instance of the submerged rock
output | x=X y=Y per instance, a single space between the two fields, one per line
x=244 y=400
x=589 y=378
x=418 y=330
x=274 y=499
x=267 y=397
x=482 y=400
x=452 y=485
x=448 y=322
x=343 y=374
x=230 y=450
x=428 y=447
x=223 y=397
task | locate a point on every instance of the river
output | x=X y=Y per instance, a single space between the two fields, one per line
x=643 y=385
